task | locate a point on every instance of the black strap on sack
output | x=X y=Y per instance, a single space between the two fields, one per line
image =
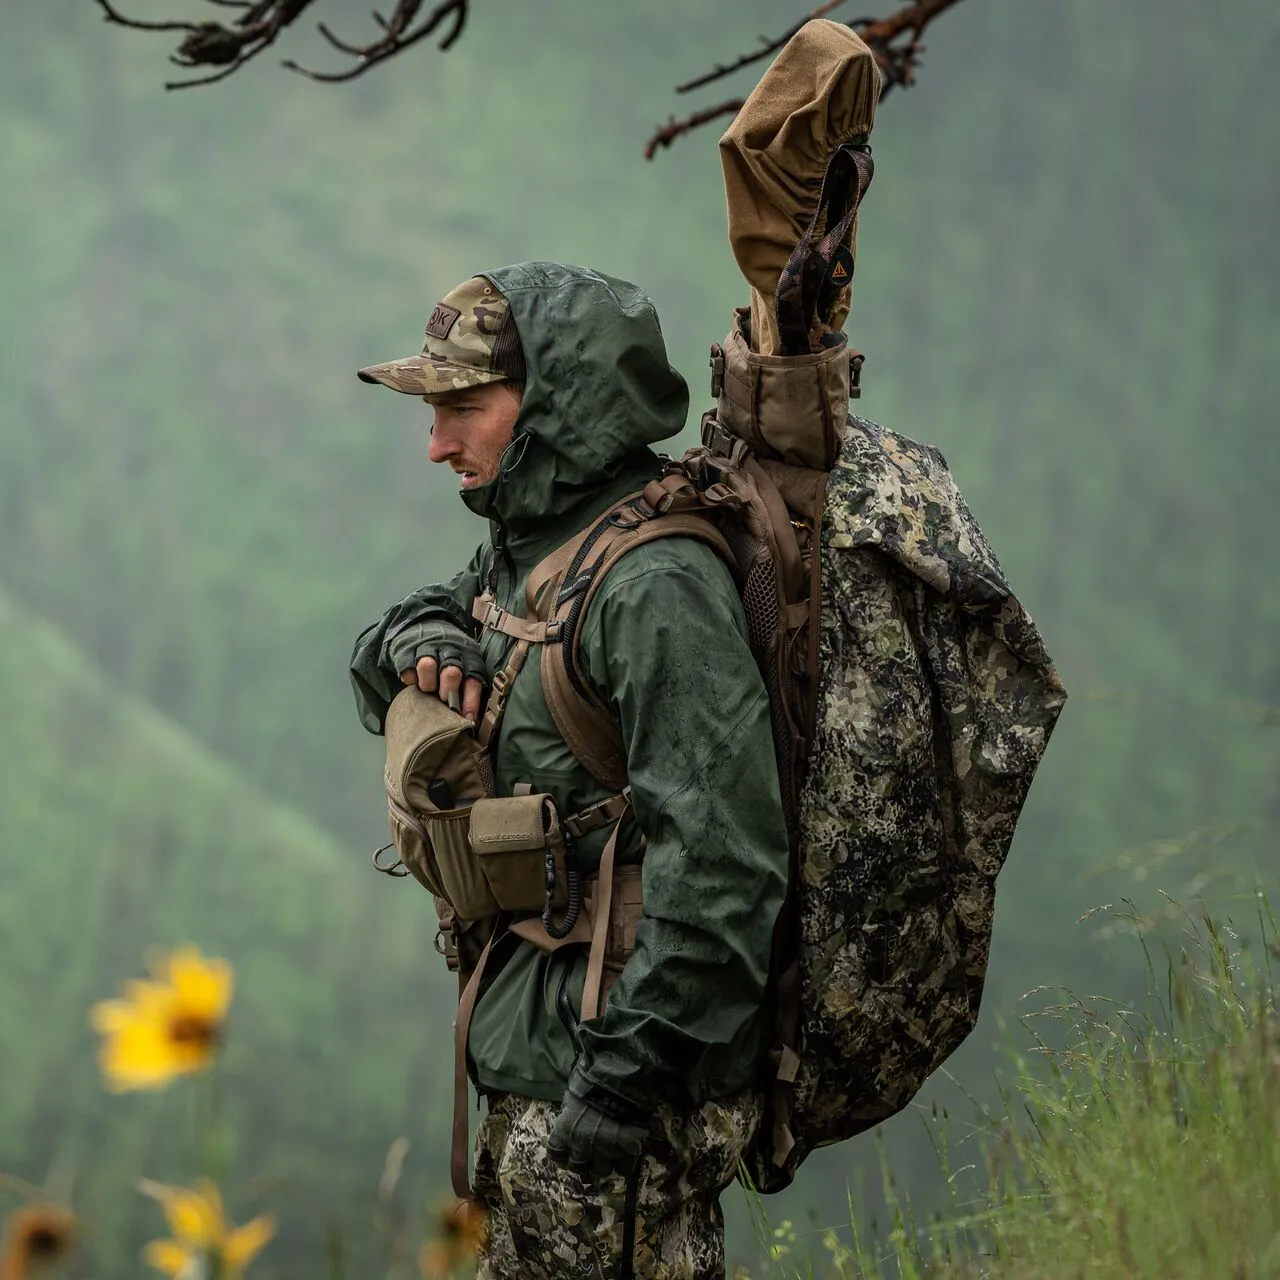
x=821 y=265
x=627 y=1260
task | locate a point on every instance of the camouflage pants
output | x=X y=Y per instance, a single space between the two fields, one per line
x=548 y=1223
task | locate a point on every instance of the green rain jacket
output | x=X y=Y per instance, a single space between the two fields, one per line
x=665 y=642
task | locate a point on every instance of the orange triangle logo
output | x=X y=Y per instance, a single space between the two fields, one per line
x=839 y=273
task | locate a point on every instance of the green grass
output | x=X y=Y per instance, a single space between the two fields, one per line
x=1149 y=1148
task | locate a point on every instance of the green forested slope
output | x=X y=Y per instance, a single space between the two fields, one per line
x=1067 y=280
x=118 y=832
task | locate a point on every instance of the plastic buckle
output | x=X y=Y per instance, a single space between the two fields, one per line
x=856 y=361
x=724 y=443
x=717 y=369
x=717 y=437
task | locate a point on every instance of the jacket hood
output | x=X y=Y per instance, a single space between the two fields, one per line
x=599 y=393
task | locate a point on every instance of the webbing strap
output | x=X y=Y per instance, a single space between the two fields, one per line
x=526 y=632
x=591 y=987
x=501 y=688
x=627 y=1262
x=798 y=302
x=460 y=1147
x=815 y=615
x=550 y=571
x=491 y=616
x=674 y=492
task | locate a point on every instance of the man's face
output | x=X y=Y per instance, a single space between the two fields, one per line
x=472 y=429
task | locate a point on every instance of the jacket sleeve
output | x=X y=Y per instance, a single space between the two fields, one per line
x=668 y=642
x=433 y=621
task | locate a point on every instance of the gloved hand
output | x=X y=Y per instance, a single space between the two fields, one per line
x=585 y=1139
x=440 y=658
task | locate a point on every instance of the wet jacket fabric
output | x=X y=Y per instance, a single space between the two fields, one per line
x=665 y=643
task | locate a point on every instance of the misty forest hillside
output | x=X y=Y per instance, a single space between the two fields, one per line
x=1067 y=280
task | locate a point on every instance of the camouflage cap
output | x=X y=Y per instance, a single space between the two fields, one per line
x=471 y=340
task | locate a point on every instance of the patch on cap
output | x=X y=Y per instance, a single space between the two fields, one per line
x=443 y=318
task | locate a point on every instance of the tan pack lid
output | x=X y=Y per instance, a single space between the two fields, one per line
x=820 y=92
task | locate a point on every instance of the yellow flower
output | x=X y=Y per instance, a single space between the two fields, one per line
x=203 y=1244
x=164 y=1028
x=459 y=1237
x=35 y=1235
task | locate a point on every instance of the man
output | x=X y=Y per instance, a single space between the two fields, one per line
x=608 y=1141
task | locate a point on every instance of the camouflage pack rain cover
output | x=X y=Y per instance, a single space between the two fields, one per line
x=936 y=704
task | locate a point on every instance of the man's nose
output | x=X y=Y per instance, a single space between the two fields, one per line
x=442 y=445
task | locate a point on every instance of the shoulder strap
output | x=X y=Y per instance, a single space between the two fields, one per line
x=587 y=724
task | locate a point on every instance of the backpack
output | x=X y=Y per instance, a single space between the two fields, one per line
x=911 y=700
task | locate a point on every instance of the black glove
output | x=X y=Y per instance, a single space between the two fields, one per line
x=585 y=1139
x=450 y=646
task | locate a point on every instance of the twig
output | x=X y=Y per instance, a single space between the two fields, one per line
x=674 y=128
x=113 y=15
x=914 y=16
x=898 y=65
x=719 y=71
x=213 y=44
x=218 y=75
x=397 y=39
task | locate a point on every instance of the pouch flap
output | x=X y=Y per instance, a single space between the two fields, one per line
x=426 y=741
x=509 y=824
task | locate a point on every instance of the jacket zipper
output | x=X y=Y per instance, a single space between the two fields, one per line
x=502 y=559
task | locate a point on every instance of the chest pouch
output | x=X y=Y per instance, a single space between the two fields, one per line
x=527 y=858
x=435 y=774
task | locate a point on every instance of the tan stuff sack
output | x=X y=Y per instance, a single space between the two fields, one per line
x=818 y=96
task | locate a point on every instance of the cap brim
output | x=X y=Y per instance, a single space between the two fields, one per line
x=426 y=376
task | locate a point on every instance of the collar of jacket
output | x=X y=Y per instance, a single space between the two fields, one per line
x=599 y=392
x=529 y=538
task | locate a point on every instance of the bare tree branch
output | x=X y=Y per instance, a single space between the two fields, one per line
x=112 y=15
x=898 y=64
x=397 y=38
x=674 y=128
x=214 y=44
x=719 y=71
